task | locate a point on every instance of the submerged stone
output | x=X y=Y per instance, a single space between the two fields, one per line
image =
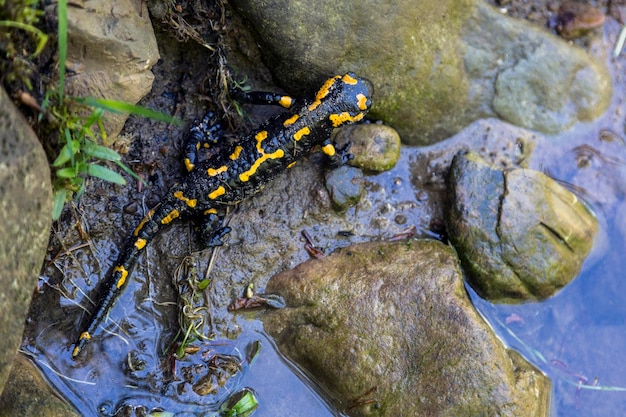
x=388 y=330
x=519 y=234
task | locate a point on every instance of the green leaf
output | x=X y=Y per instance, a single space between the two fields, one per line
x=69 y=172
x=100 y=152
x=203 y=284
x=105 y=173
x=67 y=152
x=240 y=404
x=60 y=196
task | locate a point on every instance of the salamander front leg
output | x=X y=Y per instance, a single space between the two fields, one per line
x=337 y=156
x=260 y=97
x=204 y=133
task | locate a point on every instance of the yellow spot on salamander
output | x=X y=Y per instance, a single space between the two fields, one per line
x=277 y=154
x=123 y=275
x=341 y=118
x=191 y=202
x=198 y=144
x=213 y=172
x=304 y=131
x=329 y=149
x=291 y=120
x=218 y=192
x=171 y=216
x=349 y=79
x=84 y=336
x=140 y=243
x=233 y=156
x=323 y=92
x=285 y=101
x=210 y=211
x=143 y=222
x=260 y=137
x=291 y=164
x=188 y=165
x=361 y=101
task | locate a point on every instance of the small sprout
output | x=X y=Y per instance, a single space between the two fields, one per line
x=251 y=300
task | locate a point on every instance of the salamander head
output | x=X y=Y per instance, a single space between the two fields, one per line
x=347 y=98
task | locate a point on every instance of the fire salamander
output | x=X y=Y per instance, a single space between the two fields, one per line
x=229 y=177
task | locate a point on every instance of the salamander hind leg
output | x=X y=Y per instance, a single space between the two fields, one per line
x=211 y=230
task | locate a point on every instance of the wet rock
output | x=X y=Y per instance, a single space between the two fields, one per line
x=375 y=147
x=345 y=187
x=387 y=328
x=29 y=395
x=25 y=216
x=436 y=65
x=111 y=49
x=519 y=234
x=532 y=79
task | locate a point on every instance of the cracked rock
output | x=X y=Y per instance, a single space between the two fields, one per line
x=520 y=235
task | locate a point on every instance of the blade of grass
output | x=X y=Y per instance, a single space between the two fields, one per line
x=62 y=10
x=66 y=153
x=130 y=172
x=58 y=203
x=116 y=106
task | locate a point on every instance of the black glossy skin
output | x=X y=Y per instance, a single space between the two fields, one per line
x=240 y=171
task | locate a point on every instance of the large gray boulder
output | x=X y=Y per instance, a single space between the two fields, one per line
x=25 y=217
x=436 y=65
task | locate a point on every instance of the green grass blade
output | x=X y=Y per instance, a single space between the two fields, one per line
x=130 y=172
x=60 y=196
x=66 y=153
x=116 y=106
x=62 y=10
x=69 y=172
